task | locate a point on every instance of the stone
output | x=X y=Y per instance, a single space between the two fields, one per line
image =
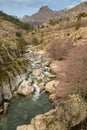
x=37 y=72
x=1 y=110
x=51 y=86
x=0 y=95
x=42 y=86
x=25 y=127
x=6 y=104
x=57 y=66
x=54 y=67
x=7 y=94
x=25 y=88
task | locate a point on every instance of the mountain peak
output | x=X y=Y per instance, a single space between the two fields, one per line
x=44 y=7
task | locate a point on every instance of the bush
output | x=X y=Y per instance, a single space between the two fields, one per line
x=81 y=15
x=77 y=26
x=76 y=73
x=35 y=41
x=58 y=49
x=21 y=44
x=18 y=34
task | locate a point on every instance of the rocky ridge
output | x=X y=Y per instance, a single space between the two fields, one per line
x=44 y=15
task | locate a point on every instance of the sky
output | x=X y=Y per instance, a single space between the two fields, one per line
x=28 y=7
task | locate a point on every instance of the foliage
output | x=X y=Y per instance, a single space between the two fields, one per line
x=75 y=79
x=53 y=22
x=77 y=26
x=58 y=49
x=21 y=44
x=81 y=15
x=18 y=34
x=15 y=21
x=35 y=41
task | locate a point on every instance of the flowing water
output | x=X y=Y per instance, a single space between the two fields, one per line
x=23 y=109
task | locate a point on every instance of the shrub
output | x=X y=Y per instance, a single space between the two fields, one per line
x=21 y=44
x=18 y=34
x=35 y=41
x=58 y=49
x=81 y=15
x=76 y=73
x=77 y=26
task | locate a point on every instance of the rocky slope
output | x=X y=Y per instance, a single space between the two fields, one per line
x=12 y=64
x=45 y=14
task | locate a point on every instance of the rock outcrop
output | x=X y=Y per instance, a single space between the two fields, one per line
x=25 y=88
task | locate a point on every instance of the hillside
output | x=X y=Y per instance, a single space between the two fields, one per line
x=12 y=62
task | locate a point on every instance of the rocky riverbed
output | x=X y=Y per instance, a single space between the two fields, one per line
x=41 y=77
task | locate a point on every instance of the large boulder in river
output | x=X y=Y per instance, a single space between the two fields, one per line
x=51 y=86
x=68 y=113
x=25 y=88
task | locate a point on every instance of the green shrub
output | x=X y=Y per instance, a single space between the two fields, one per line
x=15 y=21
x=21 y=44
x=35 y=41
x=77 y=26
x=18 y=34
x=81 y=15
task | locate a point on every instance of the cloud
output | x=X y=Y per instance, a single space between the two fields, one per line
x=83 y=0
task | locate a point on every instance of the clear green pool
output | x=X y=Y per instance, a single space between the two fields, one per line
x=22 y=110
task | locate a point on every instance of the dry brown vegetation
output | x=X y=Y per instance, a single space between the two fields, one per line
x=75 y=80
x=59 y=48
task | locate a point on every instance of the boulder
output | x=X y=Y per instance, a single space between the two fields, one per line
x=37 y=72
x=51 y=86
x=7 y=94
x=67 y=114
x=0 y=95
x=25 y=88
x=6 y=104
x=1 y=110
x=57 y=66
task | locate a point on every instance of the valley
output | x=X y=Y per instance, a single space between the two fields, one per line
x=43 y=70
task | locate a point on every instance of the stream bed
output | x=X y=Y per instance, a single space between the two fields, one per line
x=23 y=109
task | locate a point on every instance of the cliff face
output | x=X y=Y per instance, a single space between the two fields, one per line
x=12 y=64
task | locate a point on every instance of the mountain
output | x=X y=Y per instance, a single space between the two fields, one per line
x=45 y=14
x=73 y=12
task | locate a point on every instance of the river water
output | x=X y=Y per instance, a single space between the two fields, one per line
x=23 y=109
